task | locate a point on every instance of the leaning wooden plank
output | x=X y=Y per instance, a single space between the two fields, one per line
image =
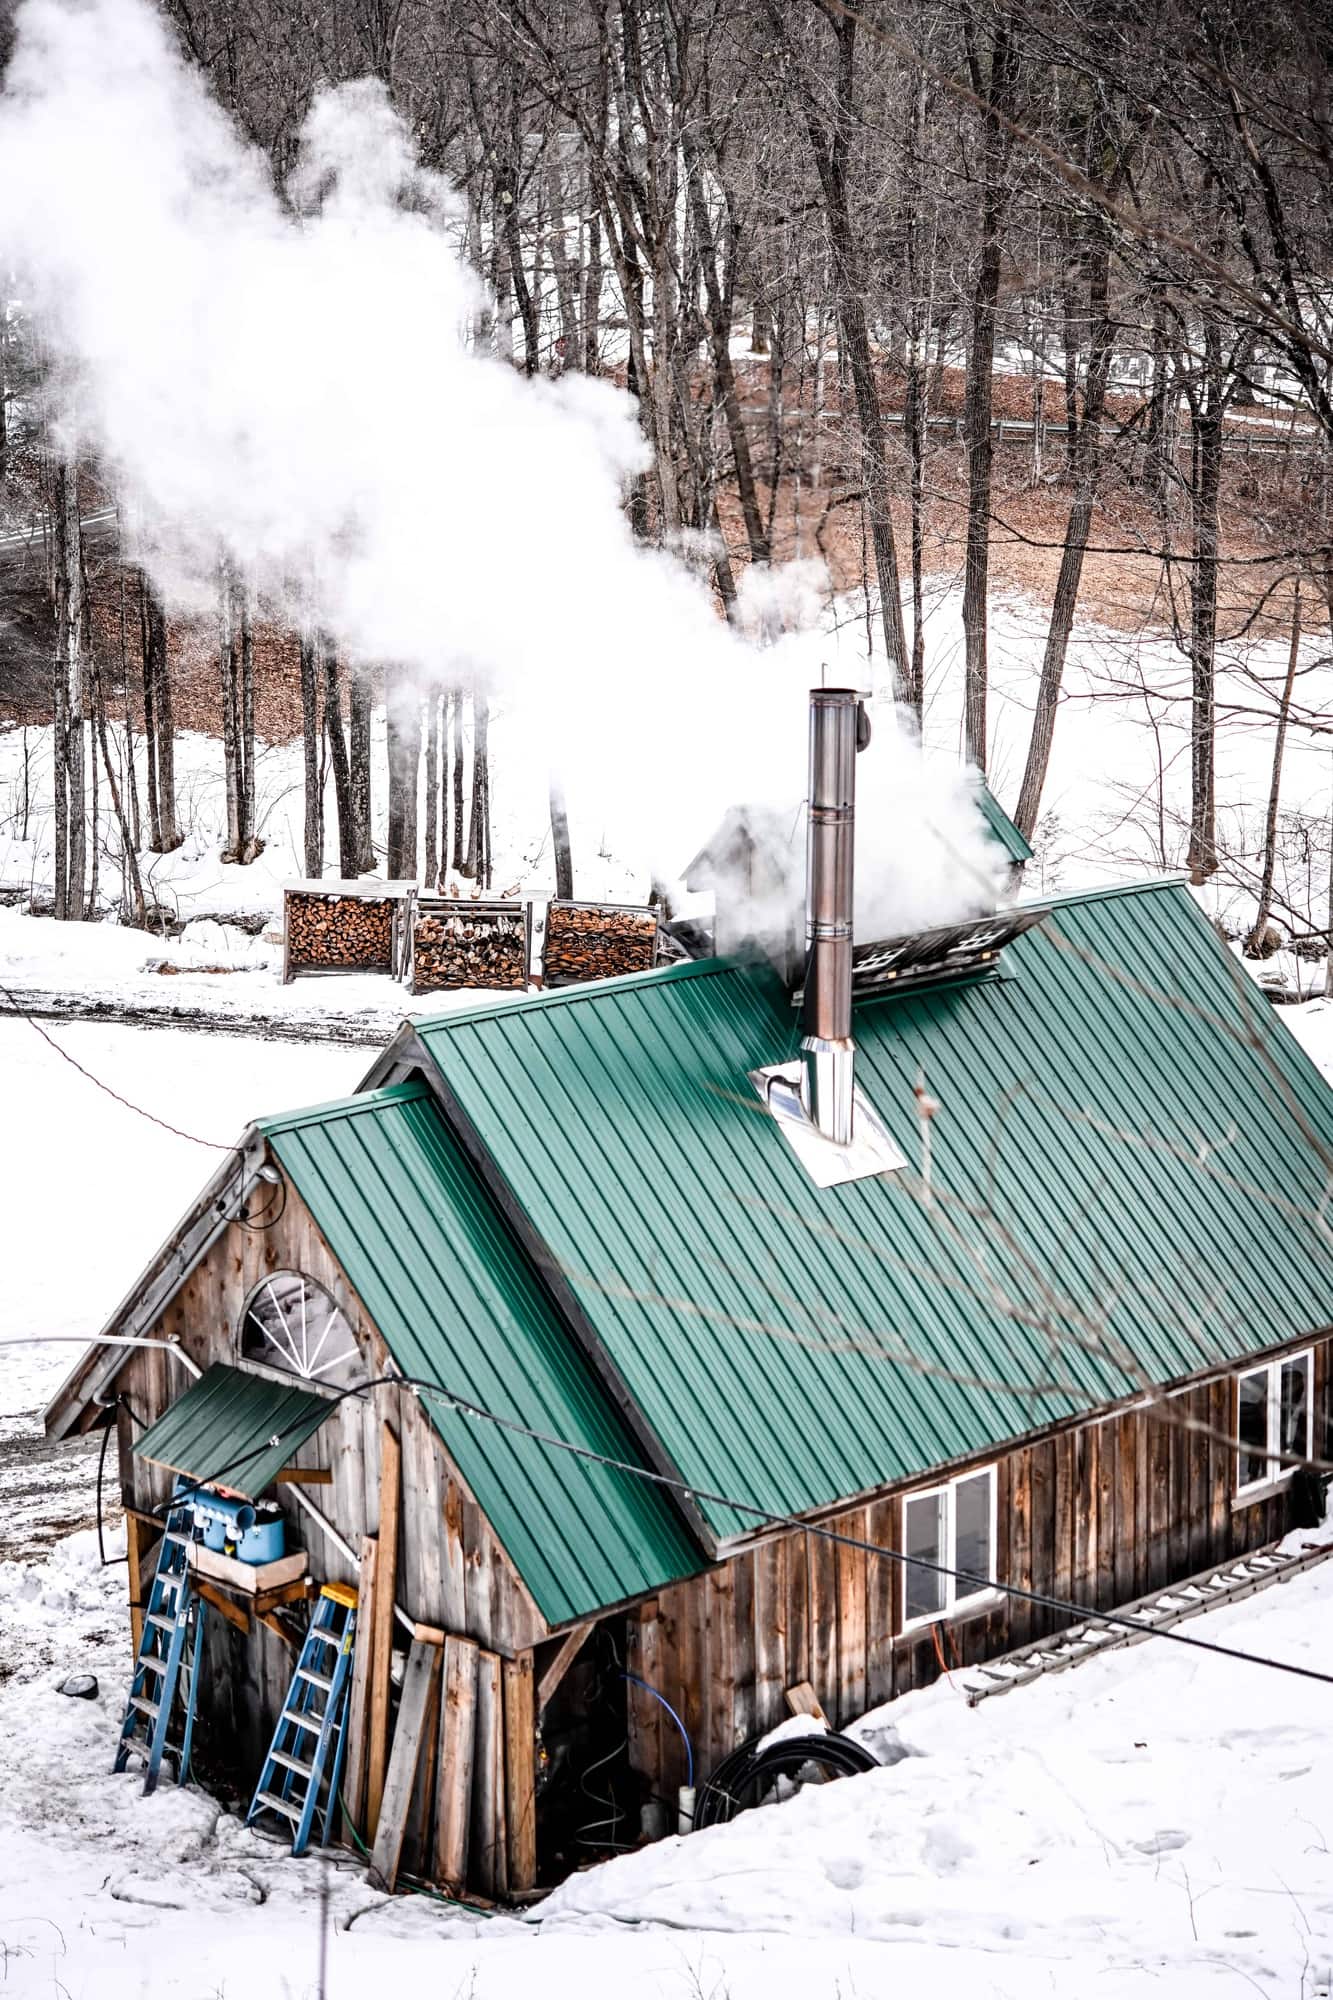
x=386 y=1583
x=418 y=1845
x=423 y=1664
x=453 y=1783
x=802 y=1700
x=488 y=1863
x=136 y=1537
x=559 y=1666
x=358 y=1712
x=521 y=1772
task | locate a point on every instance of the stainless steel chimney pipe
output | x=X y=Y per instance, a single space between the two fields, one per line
x=838 y=729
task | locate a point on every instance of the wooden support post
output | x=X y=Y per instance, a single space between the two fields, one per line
x=386 y=1583
x=453 y=1783
x=559 y=1666
x=233 y=1613
x=135 y=1539
x=423 y=1666
x=521 y=1772
x=488 y=1860
x=358 y=1711
x=417 y=1844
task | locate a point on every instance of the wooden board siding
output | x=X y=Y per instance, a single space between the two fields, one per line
x=452 y=1573
x=1098 y=1514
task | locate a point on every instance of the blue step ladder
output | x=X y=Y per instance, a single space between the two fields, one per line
x=168 y=1660
x=303 y=1769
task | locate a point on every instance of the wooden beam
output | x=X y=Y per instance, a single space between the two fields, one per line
x=386 y=1583
x=453 y=1782
x=275 y=1624
x=521 y=1772
x=559 y=1666
x=802 y=1700
x=285 y=1593
x=358 y=1712
x=233 y=1613
x=305 y=1475
x=423 y=1666
x=417 y=1841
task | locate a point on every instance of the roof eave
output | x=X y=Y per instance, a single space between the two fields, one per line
x=157 y=1285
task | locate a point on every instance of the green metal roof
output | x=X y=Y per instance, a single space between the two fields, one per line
x=1015 y=844
x=457 y=1303
x=1127 y=1171
x=234 y=1429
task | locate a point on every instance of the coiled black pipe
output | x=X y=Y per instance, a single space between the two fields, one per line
x=742 y=1778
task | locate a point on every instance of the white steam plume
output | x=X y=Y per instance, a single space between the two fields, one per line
x=288 y=381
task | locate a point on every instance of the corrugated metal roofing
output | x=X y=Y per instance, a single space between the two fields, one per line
x=454 y=1298
x=1015 y=844
x=221 y=1429
x=1127 y=1171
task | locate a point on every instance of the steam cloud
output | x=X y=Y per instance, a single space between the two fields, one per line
x=289 y=381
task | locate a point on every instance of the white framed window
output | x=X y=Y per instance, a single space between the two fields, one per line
x=952 y=1525
x=1274 y=1420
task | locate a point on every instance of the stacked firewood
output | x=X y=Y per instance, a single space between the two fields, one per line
x=597 y=941
x=349 y=933
x=463 y=947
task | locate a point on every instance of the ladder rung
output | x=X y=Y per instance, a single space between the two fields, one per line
x=311 y=1722
x=324 y=1681
x=276 y=1804
x=291 y=1763
x=319 y=1632
x=161 y=1619
x=144 y=1706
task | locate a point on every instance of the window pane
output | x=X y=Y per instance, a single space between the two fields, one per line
x=1294 y=1417
x=971 y=1527
x=1252 y=1430
x=923 y=1535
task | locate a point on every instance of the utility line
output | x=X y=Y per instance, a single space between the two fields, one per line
x=1081 y=1613
x=214 y=1145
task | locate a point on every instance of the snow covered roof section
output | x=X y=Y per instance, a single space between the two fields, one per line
x=1130 y=1159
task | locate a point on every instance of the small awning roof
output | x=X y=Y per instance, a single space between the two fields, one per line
x=235 y=1429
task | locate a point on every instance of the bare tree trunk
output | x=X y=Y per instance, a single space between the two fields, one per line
x=70 y=701
x=314 y=784
x=348 y=860
x=977 y=405
x=149 y=718
x=402 y=711
x=914 y=407
x=477 y=861
x=131 y=777
x=132 y=896
x=1086 y=465
x=251 y=845
x=456 y=730
x=564 y=859
x=229 y=682
x=1208 y=418
x=359 y=694
x=1255 y=942
x=430 y=869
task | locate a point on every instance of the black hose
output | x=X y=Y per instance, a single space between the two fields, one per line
x=743 y=1778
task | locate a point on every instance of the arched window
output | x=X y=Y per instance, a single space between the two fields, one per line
x=290 y=1323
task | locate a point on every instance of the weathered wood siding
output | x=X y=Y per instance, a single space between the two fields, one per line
x=452 y=1572
x=1097 y=1514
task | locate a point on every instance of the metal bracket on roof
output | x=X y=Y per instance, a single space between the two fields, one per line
x=871 y=1149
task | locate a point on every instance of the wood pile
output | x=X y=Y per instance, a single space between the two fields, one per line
x=333 y=933
x=469 y=944
x=597 y=941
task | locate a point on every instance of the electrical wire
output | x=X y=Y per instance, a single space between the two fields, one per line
x=767 y=1518
x=684 y=1733
x=751 y=1767
x=214 y=1145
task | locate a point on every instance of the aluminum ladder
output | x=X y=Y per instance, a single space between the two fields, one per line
x=303 y=1768
x=1157 y=1612
x=170 y=1649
